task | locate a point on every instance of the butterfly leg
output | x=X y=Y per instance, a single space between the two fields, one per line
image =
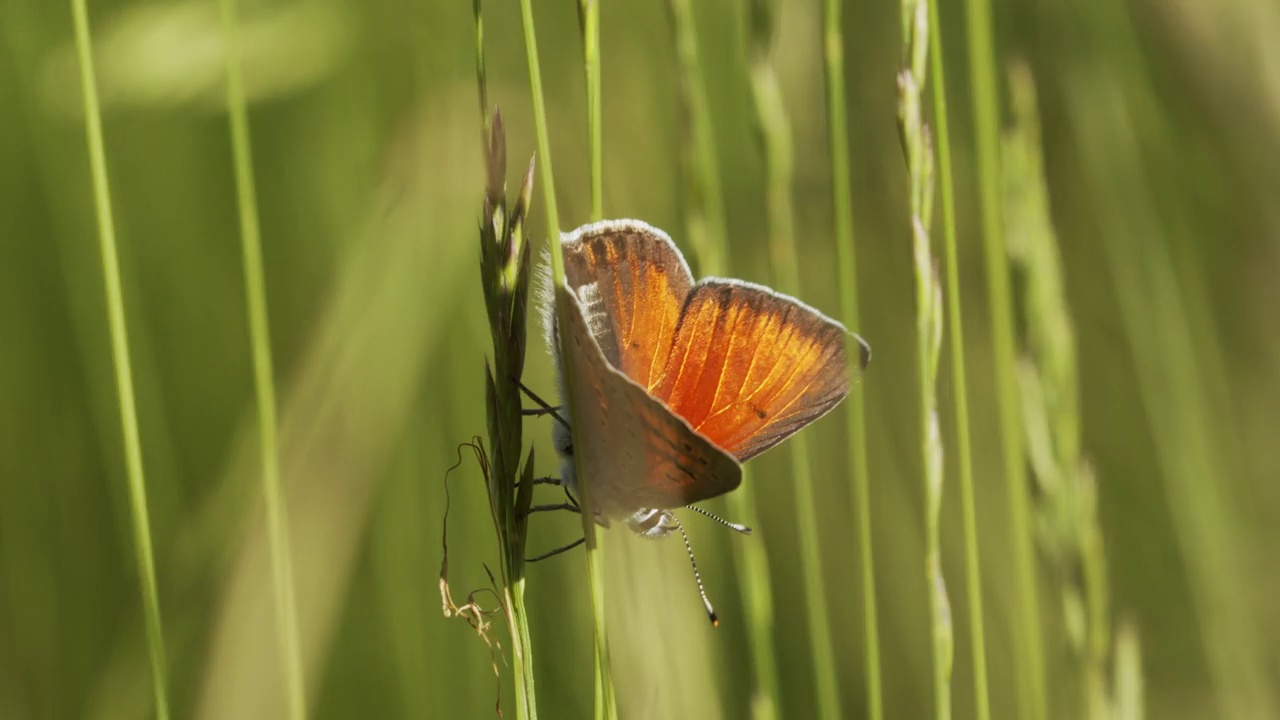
x=572 y=507
x=557 y=551
x=544 y=408
x=543 y=481
x=572 y=501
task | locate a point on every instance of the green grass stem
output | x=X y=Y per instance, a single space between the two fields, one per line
x=704 y=217
x=1029 y=658
x=286 y=609
x=120 y=359
x=918 y=149
x=964 y=452
x=842 y=206
x=775 y=133
x=605 y=705
x=707 y=227
x=589 y=15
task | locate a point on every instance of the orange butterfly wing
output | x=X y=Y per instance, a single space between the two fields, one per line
x=632 y=283
x=750 y=367
x=636 y=453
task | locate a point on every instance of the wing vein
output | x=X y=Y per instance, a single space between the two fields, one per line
x=724 y=364
x=636 y=277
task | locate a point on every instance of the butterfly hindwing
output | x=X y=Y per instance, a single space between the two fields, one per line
x=749 y=367
x=634 y=451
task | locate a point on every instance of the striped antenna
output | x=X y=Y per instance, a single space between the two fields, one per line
x=711 y=612
x=731 y=525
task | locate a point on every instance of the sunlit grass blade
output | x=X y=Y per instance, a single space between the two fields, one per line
x=605 y=704
x=959 y=379
x=842 y=206
x=705 y=222
x=1029 y=656
x=918 y=148
x=775 y=133
x=589 y=17
x=705 y=210
x=263 y=375
x=120 y=359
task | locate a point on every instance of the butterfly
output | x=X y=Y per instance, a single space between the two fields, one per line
x=676 y=383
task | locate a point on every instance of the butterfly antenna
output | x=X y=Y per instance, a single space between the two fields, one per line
x=711 y=612
x=731 y=525
x=546 y=407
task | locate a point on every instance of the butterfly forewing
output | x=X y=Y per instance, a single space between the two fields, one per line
x=632 y=283
x=750 y=367
x=634 y=451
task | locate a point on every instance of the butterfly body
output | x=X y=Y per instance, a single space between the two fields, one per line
x=677 y=382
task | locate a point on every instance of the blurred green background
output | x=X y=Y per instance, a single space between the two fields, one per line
x=1161 y=133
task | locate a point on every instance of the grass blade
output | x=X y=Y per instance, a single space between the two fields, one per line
x=1029 y=658
x=704 y=217
x=842 y=205
x=120 y=359
x=918 y=149
x=605 y=705
x=775 y=133
x=964 y=452
x=589 y=15
x=263 y=382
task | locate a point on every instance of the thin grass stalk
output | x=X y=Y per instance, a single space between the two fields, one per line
x=775 y=135
x=964 y=452
x=918 y=149
x=605 y=705
x=120 y=360
x=1029 y=658
x=842 y=207
x=286 y=610
x=704 y=217
x=707 y=228
x=589 y=17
